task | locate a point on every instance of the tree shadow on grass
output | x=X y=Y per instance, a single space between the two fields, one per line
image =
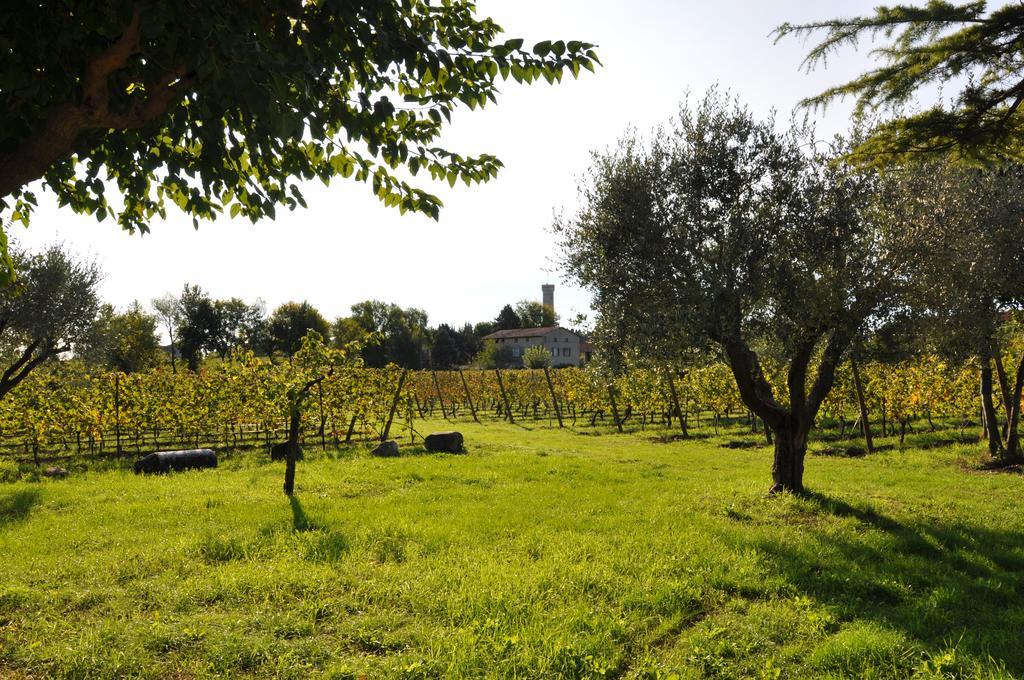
x=941 y=584
x=15 y=507
x=300 y=520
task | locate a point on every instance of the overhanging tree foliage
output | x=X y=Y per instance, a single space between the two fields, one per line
x=222 y=106
x=723 y=232
x=963 y=46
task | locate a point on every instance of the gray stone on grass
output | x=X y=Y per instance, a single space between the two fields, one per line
x=388 y=449
x=167 y=461
x=54 y=471
x=444 y=442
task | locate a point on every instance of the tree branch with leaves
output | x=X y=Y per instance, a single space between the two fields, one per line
x=222 y=107
x=964 y=46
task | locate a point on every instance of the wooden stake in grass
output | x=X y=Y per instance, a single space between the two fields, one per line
x=554 y=399
x=675 y=404
x=469 y=398
x=351 y=429
x=615 y=408
x=117 y=413
x=440 y=398
x=323 y=421
x=394 y=404
x=504 y=397
x=865 y=424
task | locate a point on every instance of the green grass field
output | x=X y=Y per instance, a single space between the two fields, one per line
x=541 y=553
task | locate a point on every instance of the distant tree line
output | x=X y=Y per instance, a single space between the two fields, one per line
x=54 y=310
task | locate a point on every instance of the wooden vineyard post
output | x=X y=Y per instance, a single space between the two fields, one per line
x=323 y=421
x=469 y=397
x=615 y=408
x=504 y=397
x=675 y=404
x=440 y=398
x=412 y=430
x=554 y=399
x=351 y=429
x=394 y=405
x=862 y=405
x=117 y=413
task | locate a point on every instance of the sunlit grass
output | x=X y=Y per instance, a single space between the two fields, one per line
x=541 y=553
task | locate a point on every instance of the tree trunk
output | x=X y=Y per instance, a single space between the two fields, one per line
x=1004 y=388
x=675 y=404
x=174 y=362
x=991 y=426
x=1013 y=414
x=884 y=425
x=790 y=450
x=293 y=450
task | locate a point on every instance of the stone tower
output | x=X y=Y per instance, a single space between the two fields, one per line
x=548 y=295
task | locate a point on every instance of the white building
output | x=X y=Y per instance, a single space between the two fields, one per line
x=563 y=344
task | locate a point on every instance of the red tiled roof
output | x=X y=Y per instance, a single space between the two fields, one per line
x=525 y=332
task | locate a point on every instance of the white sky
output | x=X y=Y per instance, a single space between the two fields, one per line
x=492 y=245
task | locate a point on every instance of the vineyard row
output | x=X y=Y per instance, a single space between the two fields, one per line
x=68 y=410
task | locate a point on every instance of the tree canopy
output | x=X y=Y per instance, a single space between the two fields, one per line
x=123 y=340
x=292 y=322
x=961 y=46
x=223 y=106
x=200 y=325
x=961 y=230
x=391 y=334
x=533 y=314
x=49 y=311
x=507 y=319
x=723 y=232
x=169 y=313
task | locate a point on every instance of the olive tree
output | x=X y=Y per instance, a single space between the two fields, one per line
x=962 y=231
x=48 y=311
x=721 y=231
